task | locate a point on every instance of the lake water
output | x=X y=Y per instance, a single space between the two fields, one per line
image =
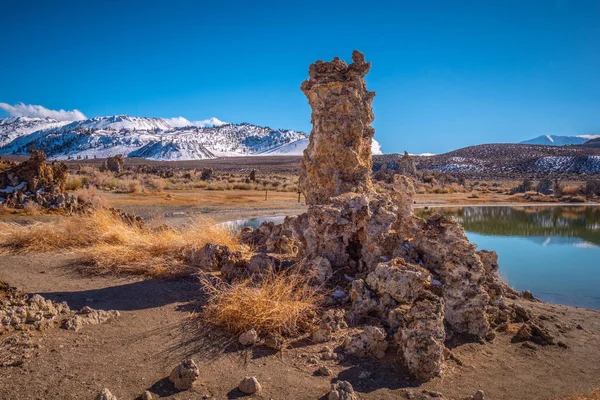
x=552 y=251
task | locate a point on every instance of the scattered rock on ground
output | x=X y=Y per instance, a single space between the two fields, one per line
x=248 y=338
x=105 y=394
x=342 y=390
x=249 y=385
x=184 y=374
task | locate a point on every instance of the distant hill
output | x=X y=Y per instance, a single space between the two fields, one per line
x=594 y=143
x=556 y=140
x=506 y=160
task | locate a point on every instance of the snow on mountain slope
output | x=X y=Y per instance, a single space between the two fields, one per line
x=297 y=147
x=14 y=127
x=180 y=147
x=556 y=140
x=159 y=138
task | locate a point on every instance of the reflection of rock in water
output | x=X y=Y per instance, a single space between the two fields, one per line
x=580 y=222
x=412 y=281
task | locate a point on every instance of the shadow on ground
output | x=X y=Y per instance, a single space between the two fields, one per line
x=138 y=295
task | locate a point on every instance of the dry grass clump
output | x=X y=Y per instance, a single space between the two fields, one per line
x=281 y=304
x=107 y=243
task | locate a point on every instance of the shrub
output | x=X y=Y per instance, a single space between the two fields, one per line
x=107 y=243
x=74 y=183
x=206 y=174
x=282 y=304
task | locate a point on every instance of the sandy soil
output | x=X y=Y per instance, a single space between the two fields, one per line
x=157 y=329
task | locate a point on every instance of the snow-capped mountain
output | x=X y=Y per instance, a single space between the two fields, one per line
x=556 y=140
x=13 y=127
x=154 y=138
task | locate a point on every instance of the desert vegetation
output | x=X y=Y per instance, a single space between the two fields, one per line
x=138 y=179
x=104 y=242
x=282 y=304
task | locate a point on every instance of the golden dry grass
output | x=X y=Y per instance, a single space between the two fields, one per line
x=282 y=304
x=106 y=243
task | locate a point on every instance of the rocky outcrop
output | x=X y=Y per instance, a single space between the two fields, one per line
x=35 y=181
x=421 y=279
x=114 y=164
x=338 y=157
x=21 y=312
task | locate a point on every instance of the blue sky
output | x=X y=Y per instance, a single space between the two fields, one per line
x=447 y=74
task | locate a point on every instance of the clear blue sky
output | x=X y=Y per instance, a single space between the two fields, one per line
x=447 y=73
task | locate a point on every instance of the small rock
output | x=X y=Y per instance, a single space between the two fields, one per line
x=563 y=345
x=184 y=375
x=146 y=395
x=249 y=385
x=274 y=342
x=479 y=395
x=325 y=371
x=579 y=327
x=105 y=394
x=249 y=338
x=364 y=375
x=342 y=390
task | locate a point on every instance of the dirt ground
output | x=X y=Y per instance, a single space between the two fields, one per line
x=157 y=329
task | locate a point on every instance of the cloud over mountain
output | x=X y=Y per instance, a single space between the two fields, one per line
x=210 y=122
x=36 y=111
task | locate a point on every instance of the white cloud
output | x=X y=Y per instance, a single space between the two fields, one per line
x=375 y=147
x=588 y=137
x=30 y=110
x=178 y=122
x=210 y=122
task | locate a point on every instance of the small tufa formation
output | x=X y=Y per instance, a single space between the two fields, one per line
x=35 y=181
x=88 y=316
x=105 y=394
x=342 y=390
x=184 y=374
x=250 y=385
x=21 y=312
x=407 y=165
x=114 y=164
x=338 y=157
x=248 y=338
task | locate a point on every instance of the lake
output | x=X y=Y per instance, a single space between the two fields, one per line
x=552 y=251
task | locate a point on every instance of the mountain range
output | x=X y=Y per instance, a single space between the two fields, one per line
x=557 y=140
x=151 y=138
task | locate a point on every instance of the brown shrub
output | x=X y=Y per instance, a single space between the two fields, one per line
x=281 y=304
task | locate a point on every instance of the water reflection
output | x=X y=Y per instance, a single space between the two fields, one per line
x=239 y=224
x=566 y=224
x=552 y=251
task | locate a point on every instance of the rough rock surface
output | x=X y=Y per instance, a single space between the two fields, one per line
x=248 y=338
x=21 y=312
x=371 y=342
x=105 y=394
x=114 y=164
x=88 y=316
x=184 y=374
x=35 y=181
x=422 y=279
x=250 y=385
x=338 y=157
x=342 y=390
